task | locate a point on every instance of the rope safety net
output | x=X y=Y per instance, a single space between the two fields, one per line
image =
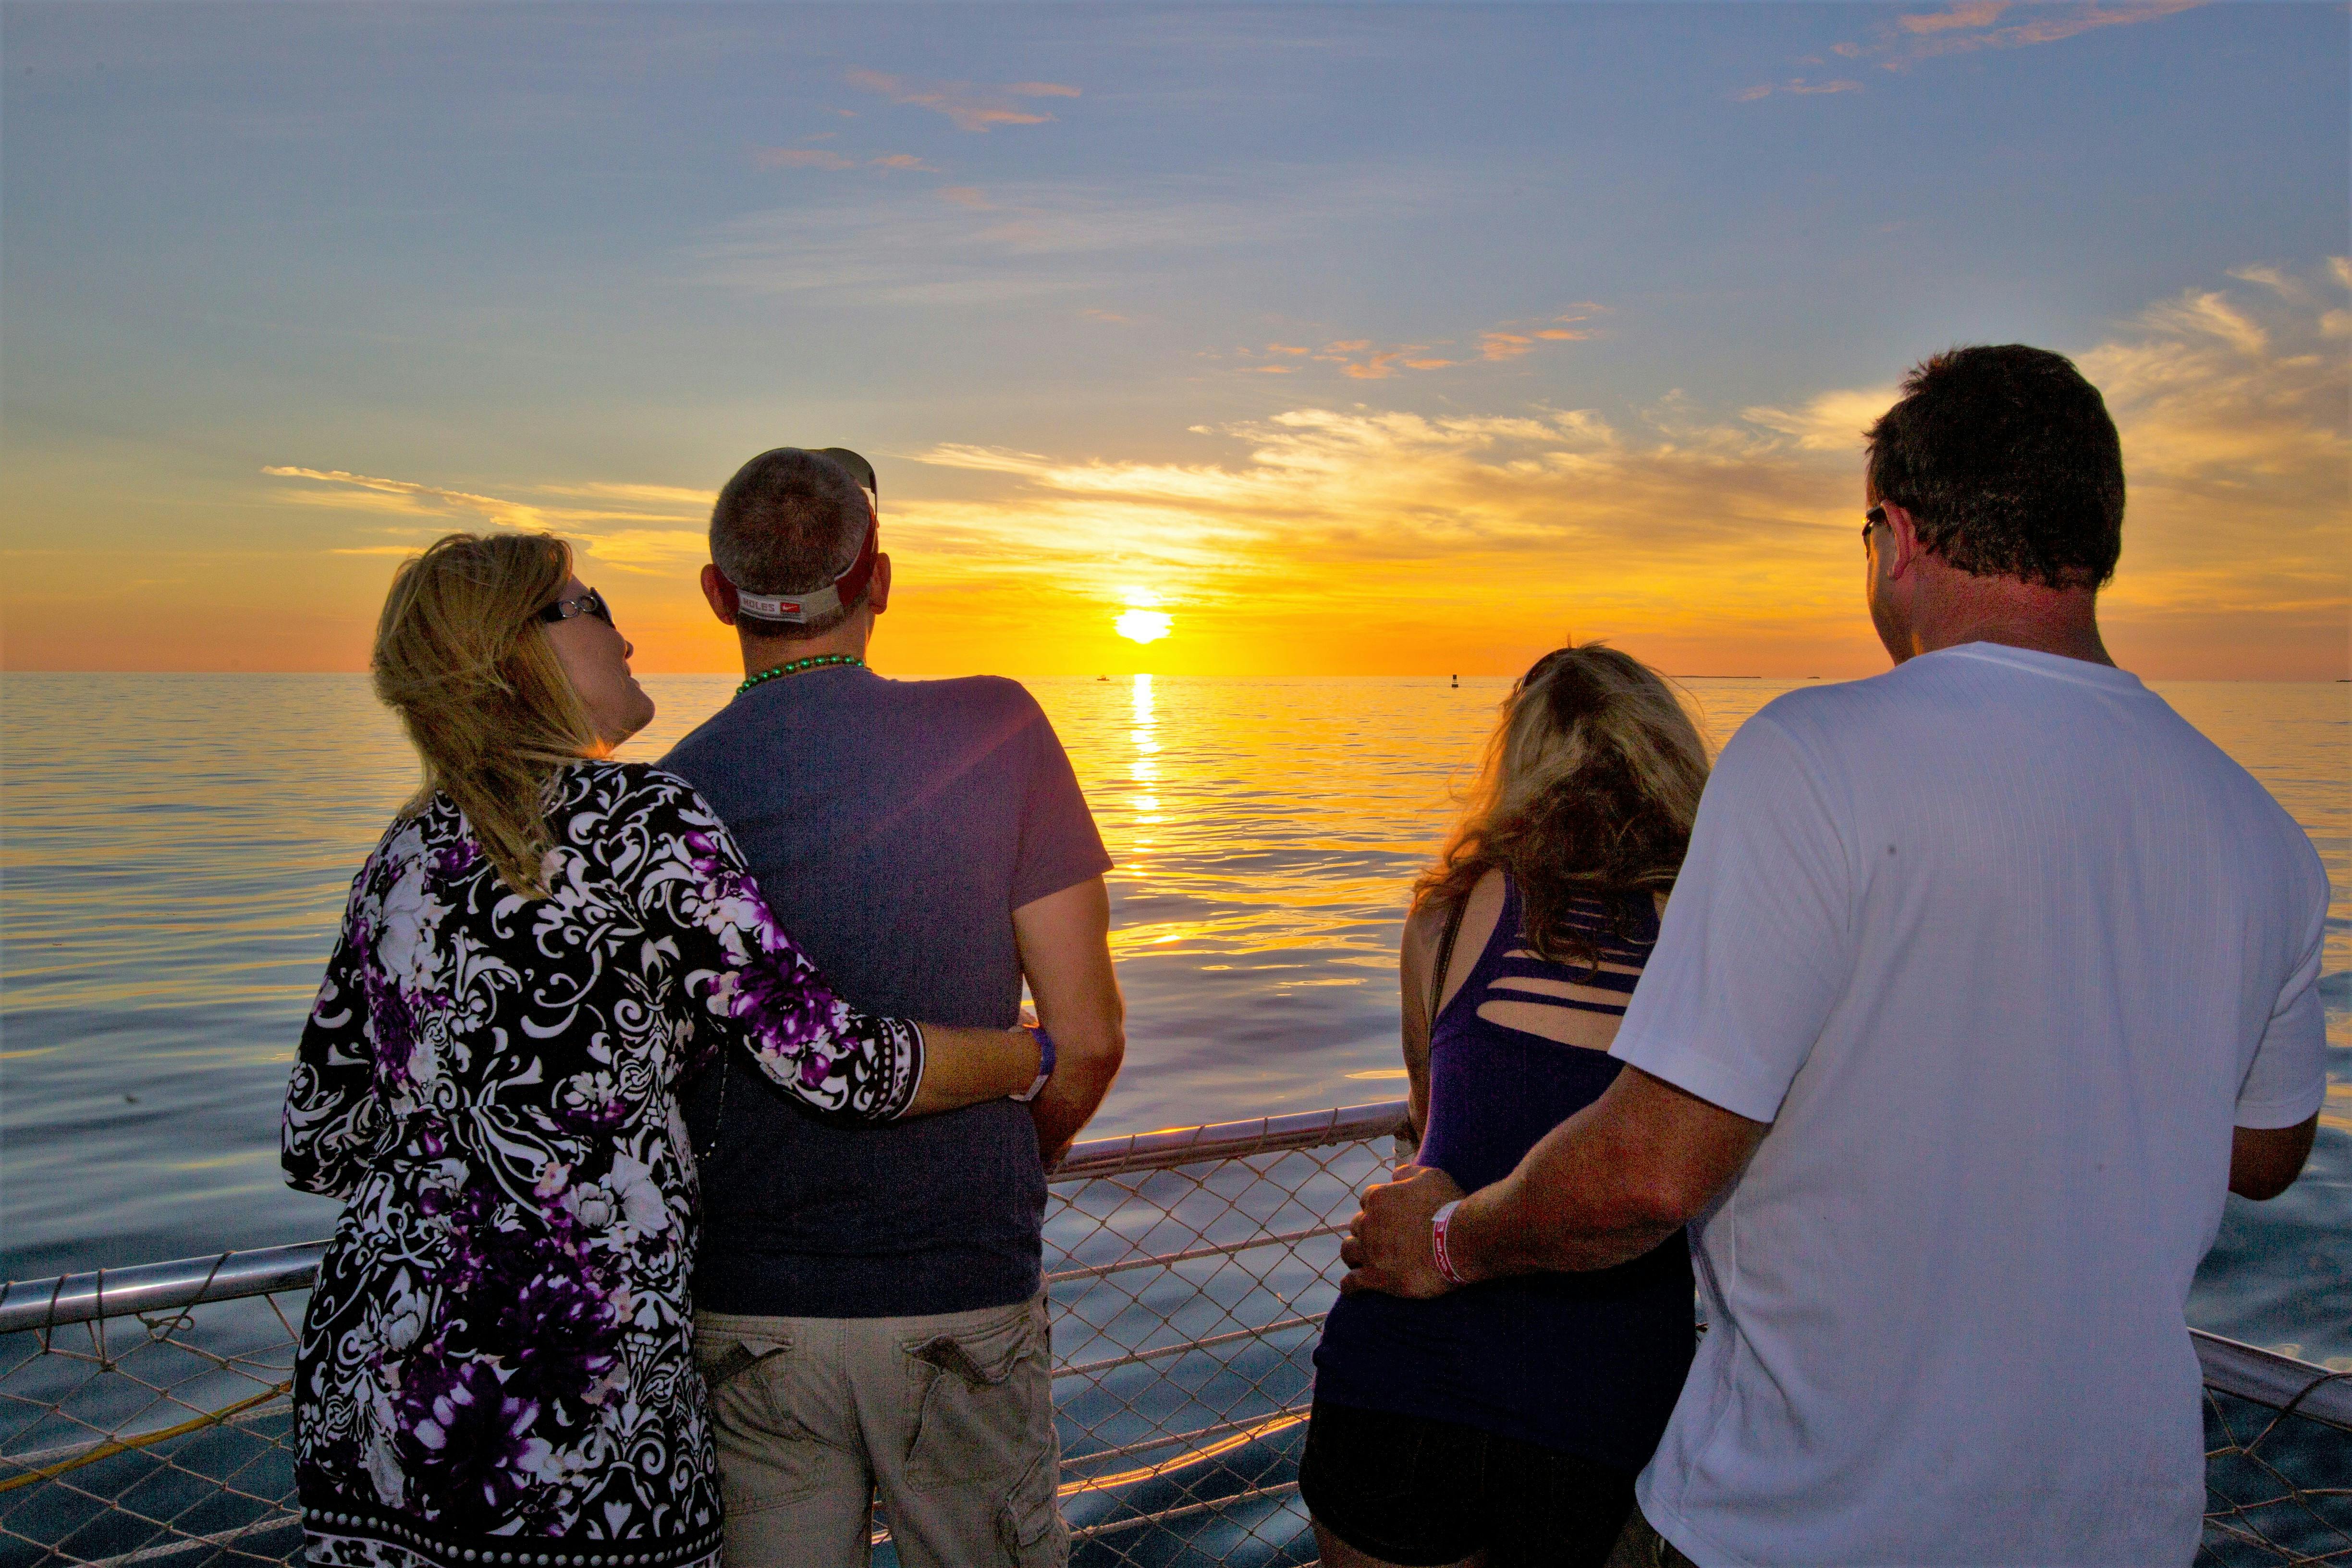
x=144 y=1414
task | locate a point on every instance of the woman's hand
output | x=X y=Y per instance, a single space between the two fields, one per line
x=969 y=1067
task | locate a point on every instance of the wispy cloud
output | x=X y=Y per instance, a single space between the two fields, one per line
x=408 y=496
x=1975 y=13
x=624 y=535
x=1798 y=85
x=970 y=106
x=826 y=158
x=1964 y=28
x=959 y=245
x=1360 y=359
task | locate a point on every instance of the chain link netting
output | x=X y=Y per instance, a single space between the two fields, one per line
x=1189 y=1273
x=2278 y=1483
x=163 y=1436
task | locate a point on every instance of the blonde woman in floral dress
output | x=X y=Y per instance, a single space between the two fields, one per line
x=496 y=1368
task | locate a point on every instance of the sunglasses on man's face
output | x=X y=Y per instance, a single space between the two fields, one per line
x=590 y=603
x=1871 y=519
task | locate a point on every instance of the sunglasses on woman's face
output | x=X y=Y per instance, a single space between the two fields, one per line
x=590 y=603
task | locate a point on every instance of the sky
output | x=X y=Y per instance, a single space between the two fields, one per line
x=1298 y=340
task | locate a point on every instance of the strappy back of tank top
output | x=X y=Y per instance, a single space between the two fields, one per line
x=1511 y=986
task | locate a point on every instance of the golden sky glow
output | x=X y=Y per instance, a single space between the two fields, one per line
x=1487 y=364
x=1358 y=540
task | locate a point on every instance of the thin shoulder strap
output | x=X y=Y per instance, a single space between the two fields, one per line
x=1445 y=961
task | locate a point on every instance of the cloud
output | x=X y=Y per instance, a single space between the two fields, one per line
x=637 y=543
x=1832 y=422
x=1797 y=86
x=1357 y=358
x=407 y=496
x=824 y=158
x=1965 y=27
x=1977 y=13
x=971 y=108
x=664 y=495
x=958 y=245
x=2211 y=313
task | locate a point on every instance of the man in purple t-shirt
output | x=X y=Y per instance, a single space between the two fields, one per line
x=869 y=1310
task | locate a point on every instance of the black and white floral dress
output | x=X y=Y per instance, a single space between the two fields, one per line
x=496 y=1366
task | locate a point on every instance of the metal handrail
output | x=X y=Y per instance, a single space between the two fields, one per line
x=151 y=1287
x=2248 y=1372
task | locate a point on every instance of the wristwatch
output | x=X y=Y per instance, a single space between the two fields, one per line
x=1044 y=1066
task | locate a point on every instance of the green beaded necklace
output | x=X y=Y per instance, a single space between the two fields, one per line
x=795 y=666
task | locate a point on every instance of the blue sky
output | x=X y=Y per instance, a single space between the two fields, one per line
x=578 y=262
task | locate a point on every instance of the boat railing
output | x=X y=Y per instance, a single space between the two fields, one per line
x=145 y=1419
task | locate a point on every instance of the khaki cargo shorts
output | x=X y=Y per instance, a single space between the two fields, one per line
x=949 y=1418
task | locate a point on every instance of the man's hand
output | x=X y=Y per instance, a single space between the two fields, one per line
x=1388 y=1247
x=1065 y=943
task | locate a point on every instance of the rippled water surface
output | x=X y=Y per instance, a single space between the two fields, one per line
x=177 y=849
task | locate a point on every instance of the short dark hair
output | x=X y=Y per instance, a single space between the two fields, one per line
x=790 y=522
x=2008 y=459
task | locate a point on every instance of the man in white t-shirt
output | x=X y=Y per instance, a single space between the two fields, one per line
x=1981 y=982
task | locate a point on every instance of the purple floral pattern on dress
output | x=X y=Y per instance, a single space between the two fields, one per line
x=499 y=1346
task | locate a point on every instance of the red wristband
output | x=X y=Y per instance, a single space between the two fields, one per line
x=1439 y=1223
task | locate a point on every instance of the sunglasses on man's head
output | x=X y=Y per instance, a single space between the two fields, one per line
x=590 y=603
x=1871 y=519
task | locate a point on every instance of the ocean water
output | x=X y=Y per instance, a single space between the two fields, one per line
x=175 y=852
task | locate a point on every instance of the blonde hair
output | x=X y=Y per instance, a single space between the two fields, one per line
x=461 y=656
x=1589 y=789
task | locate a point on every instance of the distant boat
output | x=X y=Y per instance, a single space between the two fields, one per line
x=1457 y=683
x=1102 y=678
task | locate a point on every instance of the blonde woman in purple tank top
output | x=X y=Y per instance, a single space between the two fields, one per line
x=1503 y=1424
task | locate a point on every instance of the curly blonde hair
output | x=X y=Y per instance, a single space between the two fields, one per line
x=1589 y=789
x=461 y=656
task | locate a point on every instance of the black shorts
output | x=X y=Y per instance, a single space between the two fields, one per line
x=1421 y=1493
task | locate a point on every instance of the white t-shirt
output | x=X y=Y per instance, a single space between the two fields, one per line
x=2003 y=948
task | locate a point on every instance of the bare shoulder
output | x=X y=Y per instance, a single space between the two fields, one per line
x=1425 y=928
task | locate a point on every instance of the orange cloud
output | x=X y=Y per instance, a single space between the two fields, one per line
x=1977 y=13
x=969 y=108
x=1964 y=28
x=1797 y=86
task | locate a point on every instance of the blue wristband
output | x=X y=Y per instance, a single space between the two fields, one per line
x=1044 y=1066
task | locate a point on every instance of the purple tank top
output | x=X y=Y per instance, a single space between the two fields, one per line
x=1585 y=1363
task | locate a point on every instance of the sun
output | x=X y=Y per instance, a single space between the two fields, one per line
x=1143 y=620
